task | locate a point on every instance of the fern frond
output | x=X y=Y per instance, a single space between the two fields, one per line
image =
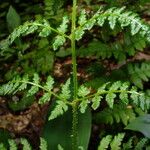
x=119 y=50
x=43 y=144
x=47 y=95
x=110 y=93
x=26 y=144
x=45 y=31
x=96 y=101
x=65 y=91
x=19 y=84
x=82 y=18
x=139 y=73
x=12 y=144
x=119 y=113
x=141 y=144
x=60 y=147
x=2 y=147
x=83 y=91
x=83 y=105
x=51 y=8
x=104 y=143
x=114 y=16
x=59 y=109
x=116 y=142
x=34 y=89
x=59 y=39
x=128 y=145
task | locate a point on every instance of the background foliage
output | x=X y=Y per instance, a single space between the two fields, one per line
x=112 y=46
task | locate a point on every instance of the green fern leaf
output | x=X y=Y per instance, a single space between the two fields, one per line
x=2 y=147
x=82 y=18
x=112 y=19
x=141 y=144
x=116 y=142
x=96 y=102
x=134 y=95
x=110 y=99
x=46 y=30
x=59 y=41
x=124 y=95
x=142 y=101
x=26 y=144
x=83 y=91
x=12 y=144
x=139 y=73
x=49 y=83
x=43 y=144
x=29 y=29
x=115 y=86
x=34 y=89
x=83 y=105
x=90 y=23
x=63 y=27
x=24 y=81
x=59 y=109
x=101 y=20
x=79 y=33
x=105 y=142
x=45 y=98
x=65 y=91
x=60 y=147
x=128 y=145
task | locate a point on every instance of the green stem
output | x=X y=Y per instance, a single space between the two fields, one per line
x=75 y=80
x=73 y=48
x=74 y=127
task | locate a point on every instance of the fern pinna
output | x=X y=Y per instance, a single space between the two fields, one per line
x=116 y=143
x=108 y=91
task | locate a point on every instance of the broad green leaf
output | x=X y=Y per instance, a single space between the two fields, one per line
x=141 y=124
x=59 y=131
x=13 y=19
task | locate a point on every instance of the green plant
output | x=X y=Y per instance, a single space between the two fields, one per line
x=117 y=143
x=81 y=96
